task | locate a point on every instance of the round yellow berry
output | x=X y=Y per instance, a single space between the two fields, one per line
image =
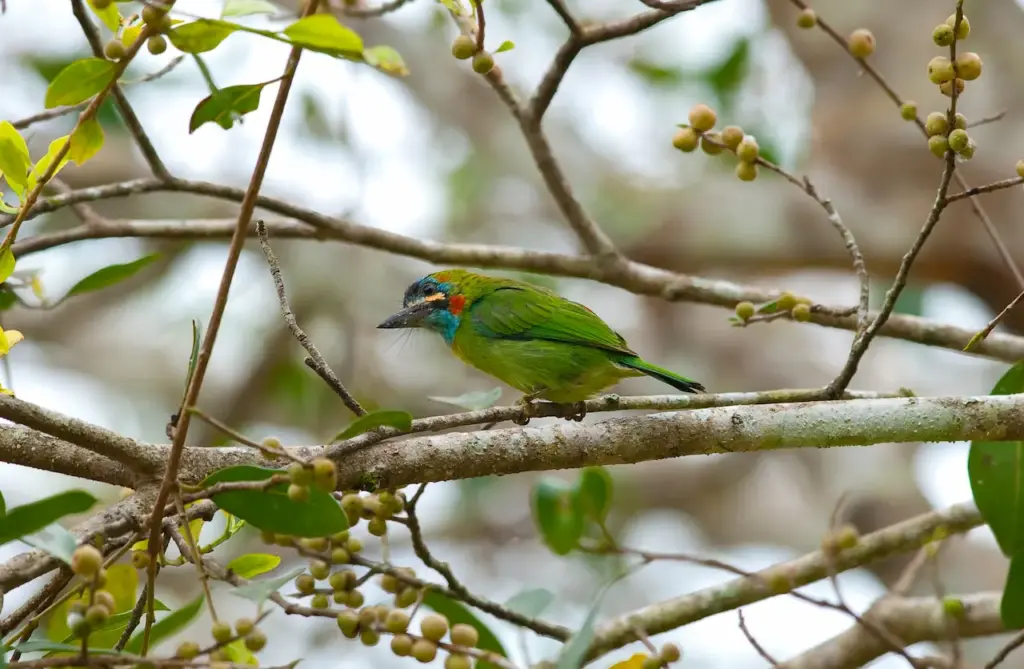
x=710 y=143
x=935 y=124
x=968 y=66
x=958 y=140
x=938 y=145
x=947 y=88
x=908 y=111
x=861 y=43
x=748 y=150
x=702 y=118
x=744 y=310
x=802 y=313
x=746 y=171
x=807 y=19
x=940 y=70
x=1020 y=168
x=465 y=635
x=686 y=139
x=464 y=46
x=943 y=35
x=732 y=135
x=965 y=26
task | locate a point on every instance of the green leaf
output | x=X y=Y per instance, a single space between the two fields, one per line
x=237 y=653
x=400 y=420
x=530 y=603
x=122 y=583
x=259 y=591
x=197 y=338
x=727 y=78
x=996 y=472
x=271 y=510
x=112 y=628
x=457 y=613
x=248 y=8
x=656 y=74
x=109 y=15
x=226 y=105
x=6 y=264
x=472 y=401
x=576 y=647
x=15 y=160
x=1011 y=608
x=108 y=276
x=166 y=627
x=252 y=565
x=557 y=513
x=86 y=140
x=386 y=59
x=32 y=517
x=201 y=35
x=324 y=33
x=80 y=81
x=507 y=45
x=55 y=540
x=42 y=166
x=3 y=505
x=594 y=491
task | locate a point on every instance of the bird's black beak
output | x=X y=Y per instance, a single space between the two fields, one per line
x=410 y=317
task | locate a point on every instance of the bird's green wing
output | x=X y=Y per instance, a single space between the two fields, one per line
x=528 y=313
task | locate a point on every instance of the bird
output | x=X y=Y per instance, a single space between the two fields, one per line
x=534 y=340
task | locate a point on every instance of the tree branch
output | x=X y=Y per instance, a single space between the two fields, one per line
x=29 y=448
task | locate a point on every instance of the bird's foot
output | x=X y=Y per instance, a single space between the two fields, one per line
x=579 y=411
x=526 y=401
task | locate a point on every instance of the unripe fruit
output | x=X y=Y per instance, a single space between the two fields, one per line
x=339 y=538
x=96 y=615
x=746 y=171
x=369 y=637
x=342 y=580
x=272 y=443
x=187 y=650
x=935 y=124
x=709 y=143
x=340 y=556
x=325 y=474
x=305 y=584
x=156 y=44
x=315 y=544
x=153 y=15
x=284 y=540
x=348 y=623
x=861 y=43
x=320 y=601
x=786 y=301
x=243 y=626
x=702 y=118
x=298 y=493
x=938 y=145
x=77 y=625
x=748 y=150
x=807 y=19
x=943 y=35
x=367 y=616
x=355 y=599
x=401 y=645
x=464 y=46
x=465 y=635
x=947 y=88
x=958 y=140
x=300 y=474
x=140 y=559
x=940 y=70
x=378 y=527
x=968 y=151
x=801 y=313
x=965 y=26
x=968 y=66
x=908 y=111
x=114 y=49
x=372 y=507
x=434 y=626
x=457 y=662
x=406 y=598
x=353 y=545
x=105 y=599
x=670 y=653
x=686 y=139
x=424 y=651
x=221 y=631
x=78 y=606
x=732 y=135
x=319 y=570
x=397 y=621
x=483 y=62
x=352 y=504
x=960 y=121
x=390 y=584
x=953 y=607
x=1020 y=168
x=86 y=561
x=651 y=663
x=255 y=640
x=745 y=310
x=100 y=580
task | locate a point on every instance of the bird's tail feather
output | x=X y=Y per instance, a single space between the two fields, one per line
x=671 y=378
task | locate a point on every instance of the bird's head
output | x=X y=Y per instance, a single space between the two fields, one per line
x=434 y=302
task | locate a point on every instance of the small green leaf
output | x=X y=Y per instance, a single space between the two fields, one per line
x=55 y=540
x=201 y=35
x=557 y=513
x=109 y=15
x=400 y=420
x=6 y=264
x=166 y=627
x=86 y=140
x=224 y=106
x=32 y=517
x=996 y=472
x=576 y=647
x=594 y=490
x=507 y=45
x=259 y=591
x=237 y=653
x=80 y=81
x=42 y=166
x=324 y=33
x=457 y=613
x=248 y=8
x=472 y=401
x=15 y=160
x=386 y=59
x=657 y=74
x=108 y=276
x=271 y=509
x=1011 y=608
x=254 y=564
x=530 y=603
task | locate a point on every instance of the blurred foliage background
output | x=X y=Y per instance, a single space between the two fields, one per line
x=436 y=155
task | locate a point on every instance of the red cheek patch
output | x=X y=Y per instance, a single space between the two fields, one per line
x=456 y=304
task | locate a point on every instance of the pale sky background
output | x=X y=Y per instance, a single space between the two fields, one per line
x=395 y=148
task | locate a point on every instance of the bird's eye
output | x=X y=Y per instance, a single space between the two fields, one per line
x=429 y=290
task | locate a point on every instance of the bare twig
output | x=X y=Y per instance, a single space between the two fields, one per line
x=765 y=655
x=319 y=364
x=987 y=330
x=987 y=188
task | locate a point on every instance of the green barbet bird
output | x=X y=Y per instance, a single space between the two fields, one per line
x=534 y=340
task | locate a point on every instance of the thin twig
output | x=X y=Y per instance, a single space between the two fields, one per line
x=753 y=642
x=321 y=366
x=987 y=330
x=242 y=439
x=987 y=188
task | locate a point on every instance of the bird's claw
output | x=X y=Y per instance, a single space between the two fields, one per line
x=579 y=411
x=528 y=410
